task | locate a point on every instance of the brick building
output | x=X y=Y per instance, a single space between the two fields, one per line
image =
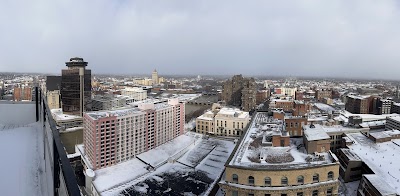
x=22 y=94
x=240 y=92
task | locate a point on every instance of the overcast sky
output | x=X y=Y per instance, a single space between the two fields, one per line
x=359 y=38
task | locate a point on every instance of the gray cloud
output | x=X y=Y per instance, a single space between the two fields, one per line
x=306 y=38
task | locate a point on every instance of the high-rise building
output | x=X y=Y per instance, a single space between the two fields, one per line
x=240 y=92
x=114 y=136
x=76 y=86
x=154 y=77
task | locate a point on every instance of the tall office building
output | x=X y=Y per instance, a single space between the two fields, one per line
x=154 y=77
x=240 y=92
x=115 y=136
x=76 y=86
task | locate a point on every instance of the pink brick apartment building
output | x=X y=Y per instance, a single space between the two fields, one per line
x=115 y=136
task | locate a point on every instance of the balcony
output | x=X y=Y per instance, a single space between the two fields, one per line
x=34 y=159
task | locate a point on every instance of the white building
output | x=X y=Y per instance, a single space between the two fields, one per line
x=223 y=121
x=138 y=94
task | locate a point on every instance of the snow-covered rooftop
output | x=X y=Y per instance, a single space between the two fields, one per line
x=367 y=117
x=313 y=134
x=118 y=112
x=206 y=155
x=59 y=115
x=382 y=158
x=21 y=142
x=380 y=184
x=256 y=143
x=324 y=107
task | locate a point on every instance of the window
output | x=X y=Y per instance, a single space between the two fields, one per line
x=329 y=192
x=284 y=181
x=283 y=194
x=235 y=193
x=235 y=178
x=267 y=181
x=300 y=180
x=316 y=178
x=267 y=195
x=315 y=193
x=251 y=194
x=251 y=180
x=300 y=194
x=330 y=175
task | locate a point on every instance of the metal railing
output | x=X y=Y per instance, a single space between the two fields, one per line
x=55 y=157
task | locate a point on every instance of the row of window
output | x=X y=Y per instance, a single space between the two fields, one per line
x=329 y=192
x=284 y=180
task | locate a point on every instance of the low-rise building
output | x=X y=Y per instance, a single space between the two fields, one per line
x=223 y=121
x=374 y=185
x=392 y=123
x=138 y=94
x=257 y=167
x=294 y=125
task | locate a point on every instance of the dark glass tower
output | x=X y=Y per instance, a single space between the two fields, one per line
x=76 y=87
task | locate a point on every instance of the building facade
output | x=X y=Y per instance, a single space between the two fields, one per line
x=154 y=77
x=223 y=122
x=323 y=93
x=392 y=123
x=138 y=94
x=22 y=94
x=357 y=104
x=53 y=99
x=258 y=167
x=240 y=92
x=115 y=136
x=76 y=87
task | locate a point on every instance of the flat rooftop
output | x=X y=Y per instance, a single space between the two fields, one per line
x=256 y=144
x=59 y=115
x=382 y=158
x=206 y=155
x=21 y=142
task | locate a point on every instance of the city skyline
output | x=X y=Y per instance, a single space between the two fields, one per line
x=326 y=39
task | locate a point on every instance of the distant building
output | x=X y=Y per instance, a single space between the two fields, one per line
x=323 y=93
x=357 y=104
x=53 y=99
x=138 y=94
x=384 y=106
x=109 y=102
x=115 y=136
x=299 y=95
x=261 y=96
x=154 y=77
x=240 y=92
x=223 y=122
x=53 y=91
x=76 y=87
x=286 y=91
x=22 y=94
